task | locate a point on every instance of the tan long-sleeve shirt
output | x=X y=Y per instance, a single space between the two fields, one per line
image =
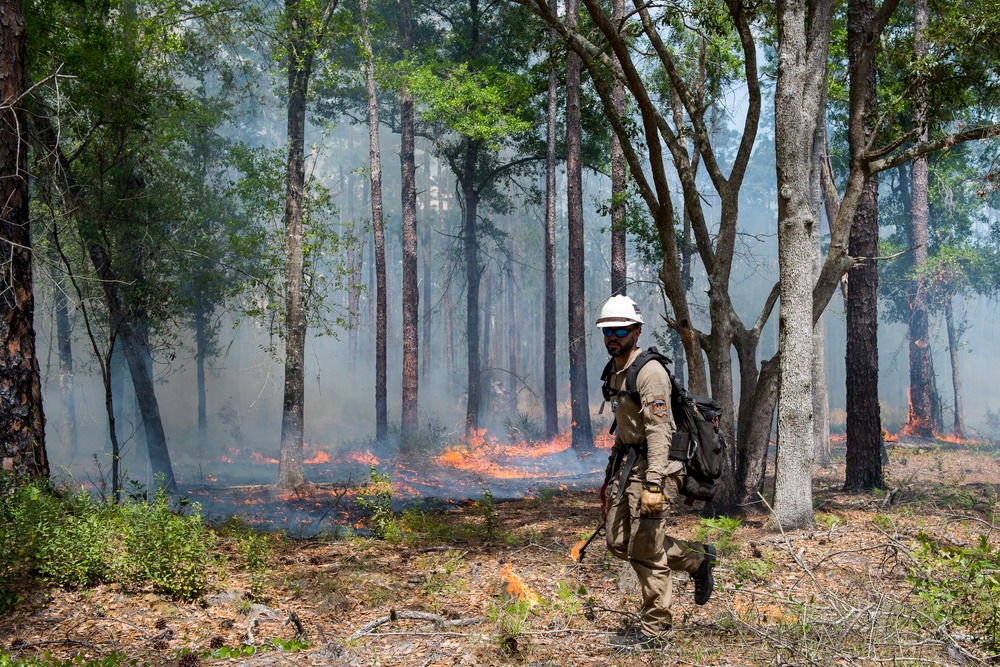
x=649 y=421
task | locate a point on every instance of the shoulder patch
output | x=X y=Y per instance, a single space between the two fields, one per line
x=658 y=407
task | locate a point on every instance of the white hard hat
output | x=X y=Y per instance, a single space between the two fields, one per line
x=619 y=311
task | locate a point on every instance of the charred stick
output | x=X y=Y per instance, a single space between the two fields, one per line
x=294 y=619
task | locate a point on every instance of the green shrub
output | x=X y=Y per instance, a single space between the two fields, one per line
x=71 y=540
x=959 y=586
x=376 y=497
x=173 y=548
x=722 y=532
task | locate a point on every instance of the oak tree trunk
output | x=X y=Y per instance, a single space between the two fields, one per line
x=67 y=421
x=136 y=353
x=799 y=99
x=618 y=235
x=291 y=472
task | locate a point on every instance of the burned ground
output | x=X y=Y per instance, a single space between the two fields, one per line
x=483 y=583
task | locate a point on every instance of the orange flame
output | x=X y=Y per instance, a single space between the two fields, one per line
x=320 y=457
x=575 y=551
x=257 y=457
x=517 y=588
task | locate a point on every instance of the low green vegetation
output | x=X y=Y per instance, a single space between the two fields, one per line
x=720 y=531
x=376 y=497
x=959 y=586
x=71 y=540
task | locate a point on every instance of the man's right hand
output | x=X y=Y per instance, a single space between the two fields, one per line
x=651 y=502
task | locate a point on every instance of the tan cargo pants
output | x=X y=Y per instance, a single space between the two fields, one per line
x=644 y=542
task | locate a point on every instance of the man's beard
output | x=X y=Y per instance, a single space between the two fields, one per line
x=621 y=351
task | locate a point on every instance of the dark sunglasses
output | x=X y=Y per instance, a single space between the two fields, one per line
x=620 y=333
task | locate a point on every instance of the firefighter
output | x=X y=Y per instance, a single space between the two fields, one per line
x=641 y=481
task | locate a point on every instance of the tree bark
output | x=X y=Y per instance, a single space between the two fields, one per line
x=618 y=236
x=291 y=472
x=956 y=379
x=306 y=32
x=201 y=335
x=378 y=228
x=473 y=274
x=582 y=437
x=67 y=421
x=550 y=390
x=136 y=353
x=920 y=421
x=411 y=292
x=864 y=422
x=447 y=302
x=821 y=398
x=799 y=96
x=22 y=420
x=425 y=252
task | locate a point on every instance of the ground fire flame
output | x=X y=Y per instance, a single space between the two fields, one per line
x=517 y=589
x=238 y=482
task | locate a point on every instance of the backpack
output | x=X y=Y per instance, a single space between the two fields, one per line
x=697 y=440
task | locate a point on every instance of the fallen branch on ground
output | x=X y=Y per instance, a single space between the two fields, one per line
x=394 y=615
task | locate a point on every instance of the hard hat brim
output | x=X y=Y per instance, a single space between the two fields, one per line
x=606 y=322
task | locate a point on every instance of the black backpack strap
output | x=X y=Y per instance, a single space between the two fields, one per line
x=632 y=377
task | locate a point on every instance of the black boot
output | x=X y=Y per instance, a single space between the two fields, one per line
x=637 y=640
x=704 y=582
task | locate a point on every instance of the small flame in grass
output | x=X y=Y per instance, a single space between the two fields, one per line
x=575 y=552
x=517 y=588
x=257 y=457
x=321 y=457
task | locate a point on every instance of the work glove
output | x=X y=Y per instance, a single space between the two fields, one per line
x=604 y=500
x=651 y=501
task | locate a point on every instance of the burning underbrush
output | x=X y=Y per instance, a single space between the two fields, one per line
x=446 y=475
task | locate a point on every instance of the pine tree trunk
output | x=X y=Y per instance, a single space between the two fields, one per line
x=473 y=274
x=920 y=421
x=550 y=390
x=381 y=307
x=22 y=421
x=425 y=251
x=201 y=341
x=410 y=299
x=583 y=437
x=864 y=422
x=447 y=302
x=513 y=339
x=956 y=380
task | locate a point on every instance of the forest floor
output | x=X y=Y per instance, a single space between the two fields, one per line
x=842 y=593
